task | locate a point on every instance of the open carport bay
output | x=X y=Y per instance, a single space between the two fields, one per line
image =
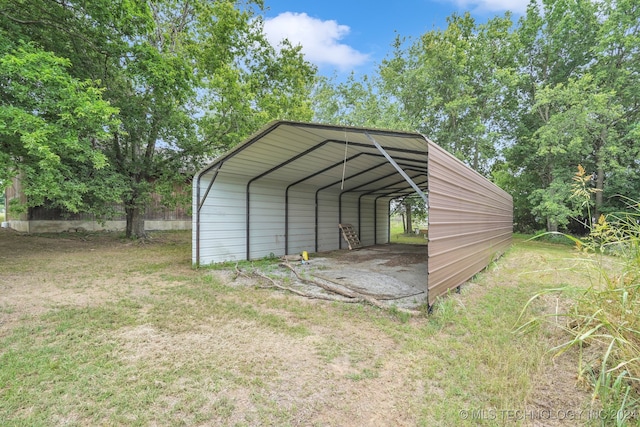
x=291 y=186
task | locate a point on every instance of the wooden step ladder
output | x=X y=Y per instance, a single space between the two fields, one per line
x=350 y=236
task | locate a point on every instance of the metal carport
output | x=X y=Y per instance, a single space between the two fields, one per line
x=287 y=187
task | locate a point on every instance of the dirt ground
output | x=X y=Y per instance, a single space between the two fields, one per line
x=32 y=265
x=396 y=275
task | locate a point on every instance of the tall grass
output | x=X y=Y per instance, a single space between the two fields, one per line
x=609 y=310
x=604 y=322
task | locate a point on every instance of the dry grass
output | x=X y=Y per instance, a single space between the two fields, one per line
x=95 y=329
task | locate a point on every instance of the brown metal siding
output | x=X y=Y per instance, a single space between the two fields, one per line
x=470 y=222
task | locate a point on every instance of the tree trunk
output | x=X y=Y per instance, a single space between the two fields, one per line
x=135 y=222
x=599 y=188
x=475 y=155
x=407 y=208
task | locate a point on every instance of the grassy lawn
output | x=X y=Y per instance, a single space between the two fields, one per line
x=97 y=330
x=398 y=236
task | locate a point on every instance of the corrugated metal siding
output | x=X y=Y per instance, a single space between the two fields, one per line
x=367 y=219
x=470 y=219
x=266 y=217
x=470 y=222
x=328 y=221
x=222 y=221
x=382 y=220
x=302 y=217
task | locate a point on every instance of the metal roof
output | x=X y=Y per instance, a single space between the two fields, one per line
x=324 y=156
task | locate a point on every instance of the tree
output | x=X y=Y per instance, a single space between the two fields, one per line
x=50 y=125
x=264 y=85
x=189 y=78
x=449 y=86
x=617 y=70
x=586 y=124
x=576 y=98
x=412 y=209
x=524 y=105
x=356 y=102
x=553 y=43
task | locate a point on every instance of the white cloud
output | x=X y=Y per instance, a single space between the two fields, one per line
x=515 y=6
x=320 y=40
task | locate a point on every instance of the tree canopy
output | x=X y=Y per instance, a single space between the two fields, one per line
x=50 y=126
x=166 y=85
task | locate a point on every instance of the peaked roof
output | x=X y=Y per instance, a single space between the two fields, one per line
x=326 y=155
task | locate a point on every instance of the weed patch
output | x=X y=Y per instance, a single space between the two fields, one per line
x=601 y=319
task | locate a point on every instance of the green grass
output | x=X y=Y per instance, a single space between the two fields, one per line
x=160 y=343
x=398 y=235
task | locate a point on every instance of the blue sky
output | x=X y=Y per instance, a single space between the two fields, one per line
x=355 y=35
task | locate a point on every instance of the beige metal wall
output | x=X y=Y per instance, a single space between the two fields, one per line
x=470 y=222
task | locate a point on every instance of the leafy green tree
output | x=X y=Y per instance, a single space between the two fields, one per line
x=553 y=43
x=502 y=174
x=50 y=126
x=449 y=85
x=617 y=71
x=524 y=105
x=189 y=78
x=262 y=85
x=575 y=103
x=412 y=209
x=582 y=128
x=356 y=102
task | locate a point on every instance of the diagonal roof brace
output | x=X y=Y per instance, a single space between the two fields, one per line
x=399 y=169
